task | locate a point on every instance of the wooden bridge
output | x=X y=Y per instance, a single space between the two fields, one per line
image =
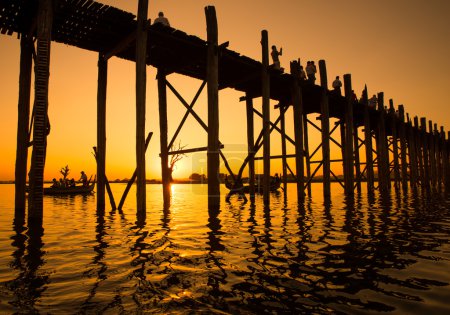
x=405 y=153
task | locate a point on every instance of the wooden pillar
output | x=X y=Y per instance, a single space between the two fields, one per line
x=413 y=159
x=445 y=161
x=101 y=131
x=283 y=148
x=382 y=148
x=212 y=78
x=307 y=158
x=251 y=146
x=325 y=117
x=425 y=152
x=348 y=149
x=162 y=101
x=23 y=117
x=357 y=158
x=141 y=82
x=419 y=151
x=368 y=143
x=403 y=150
x=438 y=148
x=393 y=121
x=40 y=131
x=266 y=114
x=297 y=101
x=432 y=153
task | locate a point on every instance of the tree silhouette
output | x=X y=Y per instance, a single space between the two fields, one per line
x=65 y=171
x=175 y=158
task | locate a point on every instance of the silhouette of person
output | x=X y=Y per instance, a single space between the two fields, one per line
x=161 y=19
x=311 y=71
x=373 y=102
x=275 y=57
x=302 y=73
x=337 y=84
x=55 y=183
x=83 y=178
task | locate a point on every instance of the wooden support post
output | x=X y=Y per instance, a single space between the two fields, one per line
x=438 y=148
x=382 y=148
x=307 y=157
x=133 y=177
x=40 y=131
x=368 y=143
x=425 y=152
x=265 y=78
x=297 y=103
x=283 y=148
x=212 y=75
x=357 y=159
x=141 y=83
x=419 y=151
x=23 y=117
x=251 y=146
x=348 y=149
x=413 y=159
x=101 y=131
x=393 y=121
x=108 y=188
x=445 y=161
x=325 y=118
x=165 y=172
x=403 y=150
x=432 y=154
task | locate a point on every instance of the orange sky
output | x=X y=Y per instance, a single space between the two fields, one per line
x=399 y=47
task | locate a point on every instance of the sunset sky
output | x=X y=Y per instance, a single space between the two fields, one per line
x=400 y=47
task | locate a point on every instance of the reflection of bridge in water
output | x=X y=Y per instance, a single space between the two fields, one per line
x=405 y=153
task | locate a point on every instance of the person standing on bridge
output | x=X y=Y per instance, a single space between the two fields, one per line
x=161 y=19
x=275 y=57
x=337 y=84
x=311 y=71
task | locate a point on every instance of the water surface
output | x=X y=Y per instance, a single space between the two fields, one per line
x=366 y=255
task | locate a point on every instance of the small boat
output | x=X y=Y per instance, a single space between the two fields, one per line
x=75 y=190
x=275 y=184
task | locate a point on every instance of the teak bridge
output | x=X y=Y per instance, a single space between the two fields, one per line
x=408 y=153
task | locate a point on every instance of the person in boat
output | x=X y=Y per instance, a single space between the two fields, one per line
x=72 y=183
x=83 y=179
x=161 y=19
x=55 y=183
x=61 y=183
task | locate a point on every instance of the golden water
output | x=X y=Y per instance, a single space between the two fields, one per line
x=353 y=256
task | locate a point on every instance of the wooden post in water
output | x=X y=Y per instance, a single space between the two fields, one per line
x=393 y=121
x=413 y=159
x=101 y=131
x=357 y=158
x=265 y=78
x=348 y=149
x=298 y=129
x=403 y=150
x=445 y=161
x=368 y=143
x=426 y=161
x=23 y=117
x=432 y=153
x=251 y=146
x=283 y=148
x=212 y=78
x=306 y=153
x=419 y=151
x=383 y=158
x=325 y=118
x=141 y=82
x=438 y=148
x=162 y=101
x=41 y=123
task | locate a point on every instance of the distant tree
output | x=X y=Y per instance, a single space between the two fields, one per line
x=65 y=171
x=175 y=158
